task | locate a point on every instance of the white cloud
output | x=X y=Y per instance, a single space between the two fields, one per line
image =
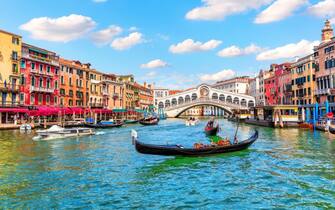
x=323 y=8
x=221 y=75
x=127 y=42
x=292 y=50
x=279 y=10
x=62 y=29
x=157 y=63
x=189 y=45
x=106 y=36
x=233 y=51
x=219 y=9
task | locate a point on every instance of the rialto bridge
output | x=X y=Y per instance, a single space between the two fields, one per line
x=205 y=95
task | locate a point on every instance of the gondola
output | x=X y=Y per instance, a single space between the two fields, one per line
x=211 y=131
x=331 y=129
x=102 y=126
x=178 y=150
x=130 y=121
x=149 y=121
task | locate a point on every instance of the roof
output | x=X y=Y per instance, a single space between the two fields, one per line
x=9 y=33
x=173 y=92
x=37 y=48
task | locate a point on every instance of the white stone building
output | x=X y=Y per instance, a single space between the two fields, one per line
x=235 y=85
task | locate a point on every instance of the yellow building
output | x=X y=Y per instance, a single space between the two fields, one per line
x=303 y=81
x=96 y=94
x=130 y=92
x=10 y=54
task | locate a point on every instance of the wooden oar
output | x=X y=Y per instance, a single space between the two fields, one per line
x=235 y=136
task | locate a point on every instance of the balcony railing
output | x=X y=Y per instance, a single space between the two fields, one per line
x=40 y=58
x=5 y=87
x=96 y=105
x=322 y=92
x=42 y=89
x=42 y=72
x=105 y=92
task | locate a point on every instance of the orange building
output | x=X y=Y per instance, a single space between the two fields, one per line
x=145 y=96
x=112 y=92
x=74 y=83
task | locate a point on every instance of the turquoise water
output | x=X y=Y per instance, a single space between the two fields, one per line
x=284 y=169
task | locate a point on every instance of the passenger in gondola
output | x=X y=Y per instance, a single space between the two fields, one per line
x=210 y=123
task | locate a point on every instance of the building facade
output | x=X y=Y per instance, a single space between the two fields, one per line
x=130 y=95
x=40 y=76
x=324 y=55
x=74 y=83
x=10 y=53
x=234 y=85
x=145 y=96
x=112 y=92
x=95 y=83
x=303 y=80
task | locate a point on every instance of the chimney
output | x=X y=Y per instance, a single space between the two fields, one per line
x=145 y=84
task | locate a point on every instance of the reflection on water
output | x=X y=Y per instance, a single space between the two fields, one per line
x=285 y=168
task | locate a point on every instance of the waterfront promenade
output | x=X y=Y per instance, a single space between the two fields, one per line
x=285 y=168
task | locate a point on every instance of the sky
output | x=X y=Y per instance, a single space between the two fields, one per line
x=173 y=43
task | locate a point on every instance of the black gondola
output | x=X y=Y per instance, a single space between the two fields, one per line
x=211 y=131
x=149 y=121
x=176 y=150
x=101 y=126
x=331 y=129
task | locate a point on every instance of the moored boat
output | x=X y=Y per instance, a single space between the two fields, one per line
x=57 y=132
x=130 y=121
x=176 y=150
x=149 y=121
x=102 y=125
x=331 y=129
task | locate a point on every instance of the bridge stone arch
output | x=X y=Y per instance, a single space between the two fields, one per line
x=204 y=95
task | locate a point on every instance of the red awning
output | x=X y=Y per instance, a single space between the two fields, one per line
x=17 y=110
x=102 y=111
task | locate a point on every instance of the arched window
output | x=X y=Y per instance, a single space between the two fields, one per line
x=180 y=100
x=222 y=98
x=229 y=99
x=161 y=105
x=251 y=104
x=215 y=96
x=48 y=83
x=236 y=101
x=33 y=81
x=243 y=102
x=167 y=103
x=174 y=102
x=41 y=82
x=187 y=98
x=194 y=96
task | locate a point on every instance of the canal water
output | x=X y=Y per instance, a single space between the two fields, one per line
x=285 y=168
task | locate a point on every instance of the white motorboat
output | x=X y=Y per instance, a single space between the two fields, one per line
x=25 y=127
x=191 y=122
x=57 y=132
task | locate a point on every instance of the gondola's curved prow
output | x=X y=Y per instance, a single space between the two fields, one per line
x=175 y=150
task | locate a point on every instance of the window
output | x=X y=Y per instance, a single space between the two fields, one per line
x=48 y=69
x=15 y=69
x=71 y=93
x=56 y=71
x=41 y=67
x=21 y=98
x=55 y=100
x=62 y=91
x=40 y=98
x=62 y=80
x=32 y=66
x=32 y=81
x=56 y=84
x=48 y=83
x=47 y=98
x=41 y=82
x=22 y=80
x=14 y=55
x=70 y=81
x=15 y=40
x=23 y=64
x=32 y=99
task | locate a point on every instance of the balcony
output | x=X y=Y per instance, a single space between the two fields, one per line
x=322 y=92
x=96 y=105
x=44 y=73
x=105 y=92
x=9 y=88
x=40 y=58
x=42 y=89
